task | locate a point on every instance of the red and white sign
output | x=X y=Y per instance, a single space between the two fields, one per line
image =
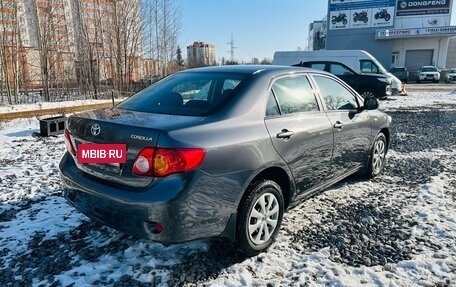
x=102 y=153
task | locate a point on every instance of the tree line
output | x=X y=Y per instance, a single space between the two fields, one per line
x=117 y=44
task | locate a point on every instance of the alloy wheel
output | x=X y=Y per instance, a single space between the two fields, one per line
x=263 y=218
x=378 y=156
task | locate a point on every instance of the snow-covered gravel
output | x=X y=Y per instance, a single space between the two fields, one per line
x=396 y=230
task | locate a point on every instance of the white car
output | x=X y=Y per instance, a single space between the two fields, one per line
x=396 y=85
x=451 y=76
x=428 y=73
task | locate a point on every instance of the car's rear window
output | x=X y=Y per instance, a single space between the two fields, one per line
x=397 y=69
x=188 y=94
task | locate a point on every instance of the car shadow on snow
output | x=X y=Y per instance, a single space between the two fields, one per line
x=46 y=260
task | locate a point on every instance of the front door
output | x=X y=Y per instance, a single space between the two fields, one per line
x=352 y=131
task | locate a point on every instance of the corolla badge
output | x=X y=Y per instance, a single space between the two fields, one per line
x=141 y=138
x=95 y=129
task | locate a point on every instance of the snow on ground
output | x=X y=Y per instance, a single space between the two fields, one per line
x=49 y=105
x=396 y=230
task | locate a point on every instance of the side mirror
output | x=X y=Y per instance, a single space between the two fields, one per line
x=371 y=104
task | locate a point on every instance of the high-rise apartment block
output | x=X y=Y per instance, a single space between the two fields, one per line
x=200 y=54
x=72 y=38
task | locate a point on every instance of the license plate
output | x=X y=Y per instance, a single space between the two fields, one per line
x=102 y=153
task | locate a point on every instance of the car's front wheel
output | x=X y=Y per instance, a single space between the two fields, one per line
x=368 y=94
x=259 y=217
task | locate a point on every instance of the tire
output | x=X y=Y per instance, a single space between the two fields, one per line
x=368 y=94
x=387 y=17
x=262 y=208
x=344 y=21
x=377 y=157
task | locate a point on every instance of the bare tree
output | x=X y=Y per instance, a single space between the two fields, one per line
x=12 y=52
x=53 y=43
x=89 y=46
x=161 y=28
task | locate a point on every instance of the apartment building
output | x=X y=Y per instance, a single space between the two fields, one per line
x=107 y=29
x=200 y=54
x=69 y=38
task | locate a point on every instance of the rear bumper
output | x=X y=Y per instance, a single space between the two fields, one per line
x=185 y=211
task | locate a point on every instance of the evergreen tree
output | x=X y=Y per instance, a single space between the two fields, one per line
x=179 y=60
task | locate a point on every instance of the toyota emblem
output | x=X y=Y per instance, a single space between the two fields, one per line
x=95 y=129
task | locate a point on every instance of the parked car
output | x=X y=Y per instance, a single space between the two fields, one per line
x=451 y=75
x=222 y=161
x=401 y=73
x=428 y=73
x=359 y=61
x=367 y=85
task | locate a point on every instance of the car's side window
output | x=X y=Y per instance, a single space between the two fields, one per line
x=369 y=67
x=335 y=95
x=339 y=70
x=272 y=109
x=294 y=95
x=318 y=66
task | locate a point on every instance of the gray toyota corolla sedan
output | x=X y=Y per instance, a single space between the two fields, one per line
x=220 y=151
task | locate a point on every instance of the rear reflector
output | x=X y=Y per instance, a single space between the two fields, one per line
x=155 y=227
x=68 y=143
x=165 y=161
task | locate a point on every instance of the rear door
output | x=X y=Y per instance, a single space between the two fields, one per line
x=299 y=130
x=352 y=129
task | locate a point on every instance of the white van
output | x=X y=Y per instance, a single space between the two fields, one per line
x=358 y=60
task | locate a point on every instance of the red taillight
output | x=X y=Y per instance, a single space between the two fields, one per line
x=165 y=161
x=68 y=143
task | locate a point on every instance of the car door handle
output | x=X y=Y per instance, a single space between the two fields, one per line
x=285 y=134
x=338 y=125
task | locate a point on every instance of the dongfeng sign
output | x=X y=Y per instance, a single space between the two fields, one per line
x=424 y=7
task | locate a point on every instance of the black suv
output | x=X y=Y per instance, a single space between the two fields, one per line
x=367 y=85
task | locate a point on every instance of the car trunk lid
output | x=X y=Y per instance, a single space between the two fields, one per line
x=114 y=126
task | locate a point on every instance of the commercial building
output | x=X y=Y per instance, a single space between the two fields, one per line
x=408 y=33
x=200 y=54
x=317 y=35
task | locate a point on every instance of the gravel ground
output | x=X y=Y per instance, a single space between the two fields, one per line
x=395 y=230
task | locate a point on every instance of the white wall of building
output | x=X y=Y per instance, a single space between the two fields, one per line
x=451 y=58
x=439 y=45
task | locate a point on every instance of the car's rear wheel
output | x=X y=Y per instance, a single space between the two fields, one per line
x=377 y=158
x=259 y=218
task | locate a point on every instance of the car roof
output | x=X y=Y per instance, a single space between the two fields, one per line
x=253 y=69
